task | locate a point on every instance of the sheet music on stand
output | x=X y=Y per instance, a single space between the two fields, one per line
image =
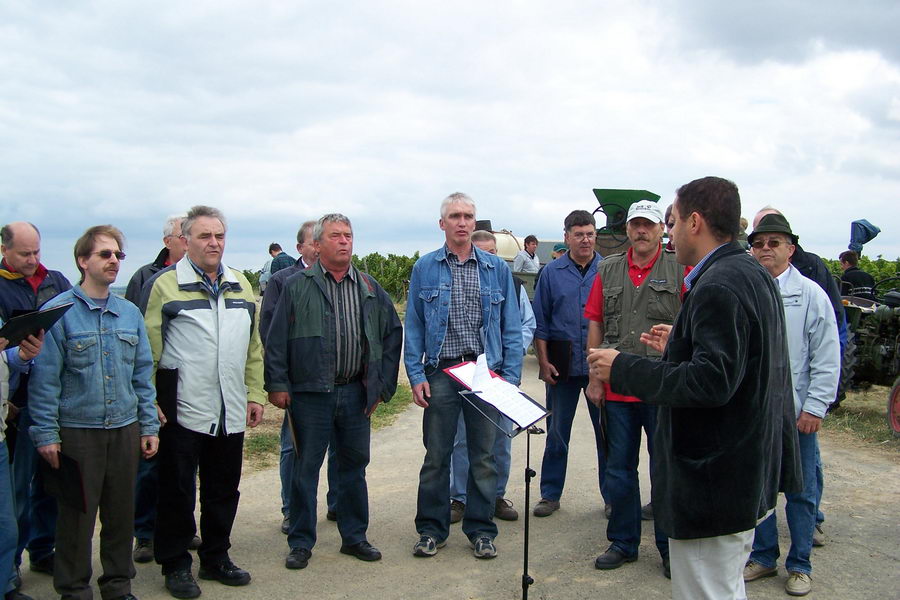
x=488 y=387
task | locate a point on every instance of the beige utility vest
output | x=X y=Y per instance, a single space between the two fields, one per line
x=629 y=311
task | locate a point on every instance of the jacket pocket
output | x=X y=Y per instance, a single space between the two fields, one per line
x=662 y=305
x=430 y=304
x=612 y=299
x=82 y=352
x=127 y=346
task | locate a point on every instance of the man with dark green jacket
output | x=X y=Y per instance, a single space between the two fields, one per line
x=332 y=355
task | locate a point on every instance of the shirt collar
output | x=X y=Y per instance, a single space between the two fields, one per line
x=695 y=272
x=472 y=255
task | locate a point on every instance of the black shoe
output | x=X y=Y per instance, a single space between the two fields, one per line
x=362 y=550
x=297 y=559
x=44 y=565
x=181 y=584
x=285 y=525
x=612 y=559
x=225 y=572
x=331 y=515
x=647 y=512
x=16 y=595
x=195 y=543
x=126 y=597
x=143 y=550
x=667 y=570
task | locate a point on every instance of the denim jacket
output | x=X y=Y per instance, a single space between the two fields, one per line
x=428 y=312
x=94 y=371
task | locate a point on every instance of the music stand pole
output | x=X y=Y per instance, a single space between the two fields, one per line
x=527 y=579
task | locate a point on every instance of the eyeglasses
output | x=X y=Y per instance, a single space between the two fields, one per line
x=583 y=236
x=107 y=254
x=772 y=243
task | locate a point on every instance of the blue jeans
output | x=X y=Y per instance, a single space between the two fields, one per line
x=562 y=401
x=459 y=460
x=286 y=469
x=145 y=496
x=339 y=418
x=35 y=510
x=820 y=483
x=8 y=529
x=439 y=425
x=623 y=489
x=801 y=517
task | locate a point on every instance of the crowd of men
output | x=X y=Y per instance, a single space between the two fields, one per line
x=725 y=359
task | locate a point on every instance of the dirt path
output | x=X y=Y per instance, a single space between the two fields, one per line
x=860 y=560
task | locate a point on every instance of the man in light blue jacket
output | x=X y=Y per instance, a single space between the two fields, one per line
x=462 y=303
x=92 y=399
x=815 y=365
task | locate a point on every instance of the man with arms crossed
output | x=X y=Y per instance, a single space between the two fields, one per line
x=201 y=320
x=815 y=366
x=726 y=436
x=462 y=303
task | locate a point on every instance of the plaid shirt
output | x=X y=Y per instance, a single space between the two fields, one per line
x=344 y=297
x=465 y=319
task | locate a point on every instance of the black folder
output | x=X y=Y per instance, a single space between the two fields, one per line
x=559 y=353
x=31 y=323
x=65 y=483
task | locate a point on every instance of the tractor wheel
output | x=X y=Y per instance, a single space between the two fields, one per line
x=893 y=408
x=848 y=370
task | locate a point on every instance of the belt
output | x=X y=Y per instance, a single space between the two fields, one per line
x=347 y=380
x=459 y=359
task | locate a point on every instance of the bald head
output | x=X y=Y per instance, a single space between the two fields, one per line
x=20 y=244
x=765 y=210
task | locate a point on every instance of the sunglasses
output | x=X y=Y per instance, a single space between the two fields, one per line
x=107 y=254
x=774 y=243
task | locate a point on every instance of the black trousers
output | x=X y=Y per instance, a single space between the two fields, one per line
x=181 y=453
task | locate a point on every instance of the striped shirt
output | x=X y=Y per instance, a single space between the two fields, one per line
x=345 y=304
x=465 y=319
x=690 y=277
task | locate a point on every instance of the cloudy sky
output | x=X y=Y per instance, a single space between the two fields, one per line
x=278 y=111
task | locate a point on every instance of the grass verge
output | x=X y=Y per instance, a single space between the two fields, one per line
x=863 y=415
x=262 y=444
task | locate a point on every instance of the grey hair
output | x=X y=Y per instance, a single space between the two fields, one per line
x=169 y=225
x=483 y=236
x=329 y=218
x=305 y=230
x=201 y=211
x=455 y=197
x=6 y=233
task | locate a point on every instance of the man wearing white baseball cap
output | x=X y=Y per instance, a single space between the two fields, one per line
x=633 y=291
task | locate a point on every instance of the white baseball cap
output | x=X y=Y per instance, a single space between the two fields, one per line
x=647 y=209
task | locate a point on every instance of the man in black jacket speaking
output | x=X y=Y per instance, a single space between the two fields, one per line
x=725 y=441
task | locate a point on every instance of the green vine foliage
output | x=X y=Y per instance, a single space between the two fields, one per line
x=392 y=272
x=879 y=268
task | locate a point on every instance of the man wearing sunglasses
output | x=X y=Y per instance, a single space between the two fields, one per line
x=815 y=364
x=92 y=399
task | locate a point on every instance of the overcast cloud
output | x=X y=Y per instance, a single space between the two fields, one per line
x=277 y=112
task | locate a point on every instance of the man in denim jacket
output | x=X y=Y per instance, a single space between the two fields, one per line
x=462 y=303
x=91 y=396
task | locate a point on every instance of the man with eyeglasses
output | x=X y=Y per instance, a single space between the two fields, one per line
x=560 y=342
x=92 y=399
x=147 y=477
x=201 y=319
x=815 y=365
x=632 y=292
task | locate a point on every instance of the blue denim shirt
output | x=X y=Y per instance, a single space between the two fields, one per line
x=428 y=310
x=94 y=371
x=559 y=300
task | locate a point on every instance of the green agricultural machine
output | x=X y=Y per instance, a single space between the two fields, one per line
x=611 y=237
x=873 y=353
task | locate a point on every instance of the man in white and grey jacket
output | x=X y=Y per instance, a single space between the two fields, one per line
x=815 y=364
x=202 y=322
